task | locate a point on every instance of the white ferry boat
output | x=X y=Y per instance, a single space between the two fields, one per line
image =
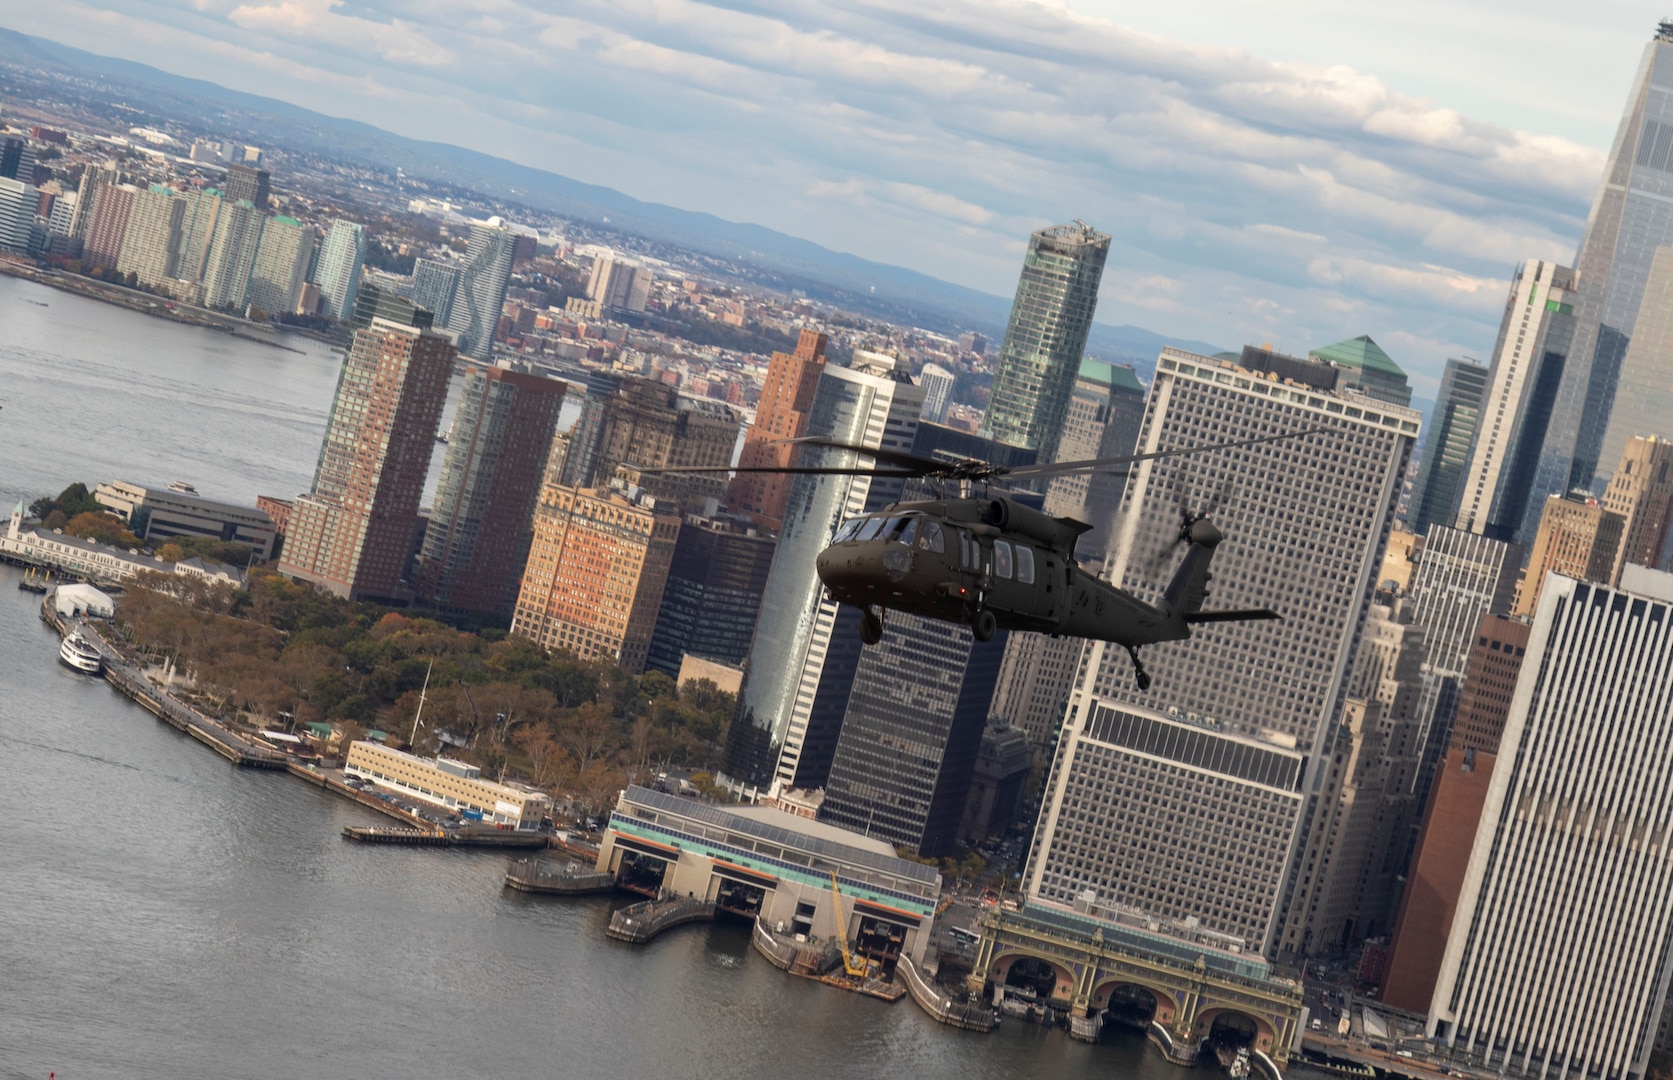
x=77 y=652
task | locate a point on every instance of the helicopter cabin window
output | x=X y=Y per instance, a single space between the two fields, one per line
x=1002 y=558
x=929 y=538
x=849 y=528
x=870 y=529
x=1025 y=564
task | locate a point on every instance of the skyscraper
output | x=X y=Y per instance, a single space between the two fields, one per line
x=352 y=533
x=780 y=415
x=338 y=271
x=1578 y=537
x=480 y=296
x=596 y=572
x=17 y=213
x=1641 y=491
x=371 y=302
x=1446 y=445
x=713 y=595
x=1045 y=337
x=93 y=178
x=478 y=537
x=617 y=283
x=1556 y=962
x=1363 y=366
x=108 y=223
x=937 y=382
x=1626 y=227
x=1188 y=799
x=17 y=159
x=232 y=254
x=1452 y=813
x=911 y=732
x=249 y=183
x=433 y=286
x=628 y=420
x=1529 y=362
x=151 y=242
x=281 y=265
x=801 y=665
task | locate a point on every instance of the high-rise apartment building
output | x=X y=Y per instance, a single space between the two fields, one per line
x=1498 y=494
x=802 y=662
x=433 y=286
x=1641 y=491
x=1446 y=445
x=1188 y=800
x=1452 y=813
x=628 y=420
x=1557 y=958
x=1045 y=337
x=713 y=595
x=480 y=296
x=786 y=395
x=352 y=533
x=197 y=233
x=232 y=255
x=617 y=283
x=1577 y=538
x=478 y=537
x=596 y=571
x=248 y=183
x=937 y=382
x=911 y=732
x=337 y=272
x=151 y=243
x=372 y=302
x=93 y=178
x=280 y=268
x=108 y=223
x=17 y=213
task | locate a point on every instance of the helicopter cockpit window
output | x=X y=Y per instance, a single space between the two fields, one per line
x=1025 y=564
x=929 y=538
x=1002 y=558
x=891 y=531
x=849 y=528
x=870 y=528
x=910 y=533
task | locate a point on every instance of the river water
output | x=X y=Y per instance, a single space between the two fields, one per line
x=163 y=914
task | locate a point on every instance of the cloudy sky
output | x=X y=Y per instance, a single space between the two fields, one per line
x=1291 y=171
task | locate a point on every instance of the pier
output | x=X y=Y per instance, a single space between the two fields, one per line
x=940 y=1006
x=639 y=923
x=536 y=875
x=385 y=834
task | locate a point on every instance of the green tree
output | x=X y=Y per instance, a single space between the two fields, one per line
x=103 y=528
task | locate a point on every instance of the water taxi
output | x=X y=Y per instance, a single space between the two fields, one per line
x=79 y=653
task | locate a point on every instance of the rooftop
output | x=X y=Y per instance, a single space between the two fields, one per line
x=1361 y=353
x=790 y=831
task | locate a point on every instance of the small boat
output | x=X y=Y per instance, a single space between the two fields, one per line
x=79 y=653
x=1239 y=1068
x=34 y=582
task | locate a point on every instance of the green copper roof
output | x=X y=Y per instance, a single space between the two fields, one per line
x=1360 y=352
x=1096 y=370
x=1124 y=379
x=283 y=220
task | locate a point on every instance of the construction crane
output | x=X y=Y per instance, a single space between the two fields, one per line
x=855 y=967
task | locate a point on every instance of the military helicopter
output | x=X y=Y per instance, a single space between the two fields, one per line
x=995 y=563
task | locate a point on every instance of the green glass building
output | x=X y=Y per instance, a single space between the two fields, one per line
x=1046 y=335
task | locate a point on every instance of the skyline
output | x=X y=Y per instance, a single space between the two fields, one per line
x=1276 y=201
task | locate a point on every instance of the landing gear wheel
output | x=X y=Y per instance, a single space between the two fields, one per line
x=871 y=627
x=984 y=625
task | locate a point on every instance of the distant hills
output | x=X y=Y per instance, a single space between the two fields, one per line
x=100 y=83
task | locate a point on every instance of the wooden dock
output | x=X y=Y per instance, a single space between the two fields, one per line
x=536 y=875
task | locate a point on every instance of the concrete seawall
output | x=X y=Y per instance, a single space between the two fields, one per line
x=938 y=1005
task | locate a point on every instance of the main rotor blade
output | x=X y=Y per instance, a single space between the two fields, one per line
x=1094 y=463
x=893 y=457
x=796 y=470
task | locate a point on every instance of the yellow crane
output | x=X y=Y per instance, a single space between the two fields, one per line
x=857 y=967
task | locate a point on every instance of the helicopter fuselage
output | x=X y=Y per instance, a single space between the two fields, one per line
x=955 y=559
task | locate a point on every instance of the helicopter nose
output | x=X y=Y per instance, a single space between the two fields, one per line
x=1204 y=533
x=844 y=569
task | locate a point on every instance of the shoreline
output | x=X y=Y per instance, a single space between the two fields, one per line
x=154 y=305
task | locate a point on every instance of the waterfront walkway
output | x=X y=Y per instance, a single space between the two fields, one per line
x=639 y=923
x=563 y=879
